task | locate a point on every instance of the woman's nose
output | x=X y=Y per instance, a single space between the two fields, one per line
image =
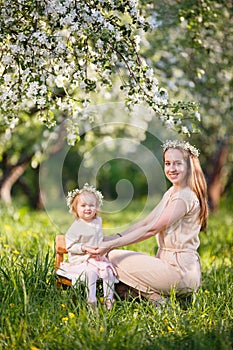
x=172 y=167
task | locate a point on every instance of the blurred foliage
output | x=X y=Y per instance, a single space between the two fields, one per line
x=190 y=49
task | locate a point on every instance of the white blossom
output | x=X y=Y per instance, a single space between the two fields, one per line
x=15 y=49
x=170 y=122
x=41 y=102
x=7 y=59
x=14 y=121
x=197 y=116
x=137 y=40
x=185 y=130
x=32 y=89
x=41 y=37
x=66 y=46
x=99 y=43
x=149 y=74
x=109 y=26
x=7 y=78
x=118 y=36
x=133 y=3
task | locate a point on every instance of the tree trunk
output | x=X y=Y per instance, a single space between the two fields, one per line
x=12 y=174
x=32 y=192
x=215 y=180
x=10 y=179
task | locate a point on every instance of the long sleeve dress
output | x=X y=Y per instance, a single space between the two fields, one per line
x=176 y=264
x=87 y=233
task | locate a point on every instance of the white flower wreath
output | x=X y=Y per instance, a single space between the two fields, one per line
x=181 y=144
x=86 y=188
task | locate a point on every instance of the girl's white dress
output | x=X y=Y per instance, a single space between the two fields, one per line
x=87 y=233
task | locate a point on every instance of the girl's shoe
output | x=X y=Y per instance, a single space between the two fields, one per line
x=109 y=304
x=92 y=305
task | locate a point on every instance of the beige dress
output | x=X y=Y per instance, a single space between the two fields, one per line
x=177 y=263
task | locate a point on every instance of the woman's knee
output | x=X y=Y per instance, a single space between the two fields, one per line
x=114 y=256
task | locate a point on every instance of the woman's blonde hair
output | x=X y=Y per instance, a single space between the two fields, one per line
x=196 y=181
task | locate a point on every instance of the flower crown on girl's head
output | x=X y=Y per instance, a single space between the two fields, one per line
x=86 y=188
x=180 y=144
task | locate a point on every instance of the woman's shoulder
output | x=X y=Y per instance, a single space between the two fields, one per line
x=169 y=192
x=187 y=195
x=185 y=192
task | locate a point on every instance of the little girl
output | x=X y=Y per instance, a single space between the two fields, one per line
x=86 y=231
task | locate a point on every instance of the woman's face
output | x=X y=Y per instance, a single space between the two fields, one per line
x=175 y=167
x=86 y=206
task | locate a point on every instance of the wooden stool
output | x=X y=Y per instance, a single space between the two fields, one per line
x=60 y=247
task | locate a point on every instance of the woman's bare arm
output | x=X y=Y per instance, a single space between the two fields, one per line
x=155 y=212
x=171 y=213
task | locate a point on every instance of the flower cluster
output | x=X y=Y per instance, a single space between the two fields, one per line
x=181 y=144
x=58 y=52
x=86 y=188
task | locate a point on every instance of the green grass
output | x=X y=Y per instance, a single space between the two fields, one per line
x=36 y=315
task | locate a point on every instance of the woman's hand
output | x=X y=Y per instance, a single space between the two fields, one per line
x=102 y=249
x=88 y=249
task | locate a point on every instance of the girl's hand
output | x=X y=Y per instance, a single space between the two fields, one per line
x=89 y=250
x=102 y=249
x=98 y=251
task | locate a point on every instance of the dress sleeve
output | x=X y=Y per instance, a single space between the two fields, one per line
x=73 y=244
x=188 y=197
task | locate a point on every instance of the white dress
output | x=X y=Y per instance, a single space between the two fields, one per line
x=89 y=233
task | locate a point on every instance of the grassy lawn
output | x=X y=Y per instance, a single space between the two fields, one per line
x=36 y=315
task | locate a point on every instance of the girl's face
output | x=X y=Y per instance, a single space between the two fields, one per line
x=86 y=206
x=175 y=167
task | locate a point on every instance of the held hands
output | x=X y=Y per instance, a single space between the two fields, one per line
x=88 y=249
x=106 y=245
x=96 y=251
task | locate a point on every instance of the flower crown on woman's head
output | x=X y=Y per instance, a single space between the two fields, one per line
x=86 y=188
x=180 y=144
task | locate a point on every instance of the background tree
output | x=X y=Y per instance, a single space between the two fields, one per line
x=20 y=157
x=54 y=53
x=191 y=51
x=50 y=71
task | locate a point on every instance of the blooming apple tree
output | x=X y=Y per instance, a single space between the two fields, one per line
x=55 y=53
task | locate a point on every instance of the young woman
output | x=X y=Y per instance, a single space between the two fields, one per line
x=176 y=221
x=86 y=231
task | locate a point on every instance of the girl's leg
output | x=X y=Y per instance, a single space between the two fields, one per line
x=92 y=277
x=108 y=287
